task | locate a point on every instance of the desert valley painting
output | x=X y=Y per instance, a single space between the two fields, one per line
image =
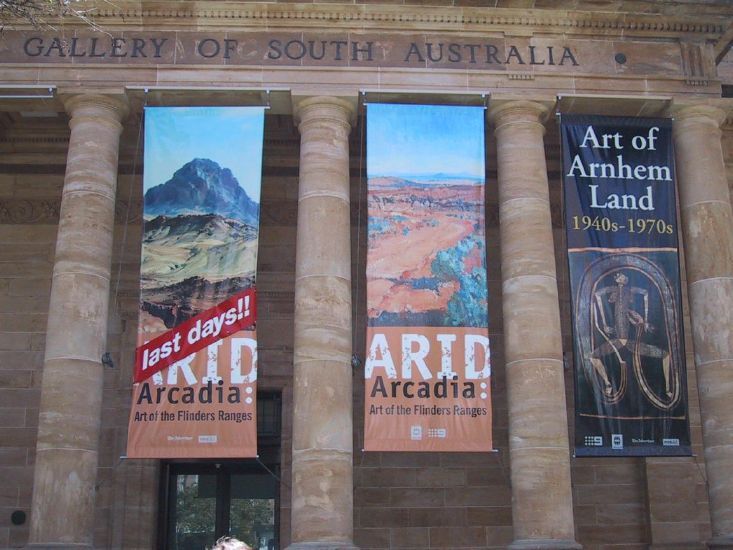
x=427 y=257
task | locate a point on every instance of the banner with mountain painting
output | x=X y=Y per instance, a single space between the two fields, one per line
x=621 y=224
x=428 y=365
x=194 y=392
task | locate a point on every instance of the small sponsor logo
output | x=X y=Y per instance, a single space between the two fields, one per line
x=617 y=441
x=208 y=439
x=416 y=433
x=671 y=442
x=439 y=433
x=593 y=441
x=180 y=438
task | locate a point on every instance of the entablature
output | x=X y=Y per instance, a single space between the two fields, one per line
x=693 y=22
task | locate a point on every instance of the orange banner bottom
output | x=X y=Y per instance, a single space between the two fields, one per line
x=427 y=389
x=204 y=406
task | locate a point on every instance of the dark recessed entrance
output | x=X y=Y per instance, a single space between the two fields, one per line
x=204 y=500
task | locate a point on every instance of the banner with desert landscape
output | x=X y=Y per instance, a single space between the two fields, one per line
x=428 y=364
x=194 y=392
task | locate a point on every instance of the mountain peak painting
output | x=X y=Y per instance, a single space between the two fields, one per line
x=195 y=391
x=201 y=219
x=201 y=186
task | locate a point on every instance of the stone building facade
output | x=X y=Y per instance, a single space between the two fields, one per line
x=71 y=101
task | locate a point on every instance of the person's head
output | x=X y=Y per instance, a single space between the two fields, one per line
x=230 y=543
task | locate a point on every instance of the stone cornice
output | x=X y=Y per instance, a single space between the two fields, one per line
x=167 y=15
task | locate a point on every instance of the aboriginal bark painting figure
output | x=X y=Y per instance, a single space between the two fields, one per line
x=628 y=325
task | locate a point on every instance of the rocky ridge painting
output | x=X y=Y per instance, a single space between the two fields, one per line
x=199 y=221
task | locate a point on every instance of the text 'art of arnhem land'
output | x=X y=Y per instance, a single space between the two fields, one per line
x=621 y=222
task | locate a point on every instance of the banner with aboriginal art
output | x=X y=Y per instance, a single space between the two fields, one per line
x=622 y=238
x=194 y=390
x=428 y=365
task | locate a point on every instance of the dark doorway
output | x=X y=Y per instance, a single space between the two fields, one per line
x=204 y=500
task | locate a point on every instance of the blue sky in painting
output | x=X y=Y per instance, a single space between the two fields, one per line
x=230 y=136
x=422 y=140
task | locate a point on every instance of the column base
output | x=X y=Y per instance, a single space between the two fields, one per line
x=721 y=543
x=325 y=545
x=544 y=544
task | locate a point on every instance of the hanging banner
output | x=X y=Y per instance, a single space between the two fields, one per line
x=194 y=392
x=621 y=223
x=428 y=365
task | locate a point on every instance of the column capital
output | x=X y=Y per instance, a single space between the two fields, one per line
x=307 y=109
x=518 y=111
x=97 y=105
x=702 y=113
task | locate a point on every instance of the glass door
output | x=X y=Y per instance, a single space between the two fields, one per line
x=207 y=501
x=252 y=507
x=194 y=510
x=204 y=500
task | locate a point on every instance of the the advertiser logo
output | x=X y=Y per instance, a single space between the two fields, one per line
x=180 y=438
x=593 y=441
x=671 y=442
x=617 y=441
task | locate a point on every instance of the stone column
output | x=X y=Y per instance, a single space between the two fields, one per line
x=707 y=227
x=322 y=491
x=542 y=504
x=71 y=392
